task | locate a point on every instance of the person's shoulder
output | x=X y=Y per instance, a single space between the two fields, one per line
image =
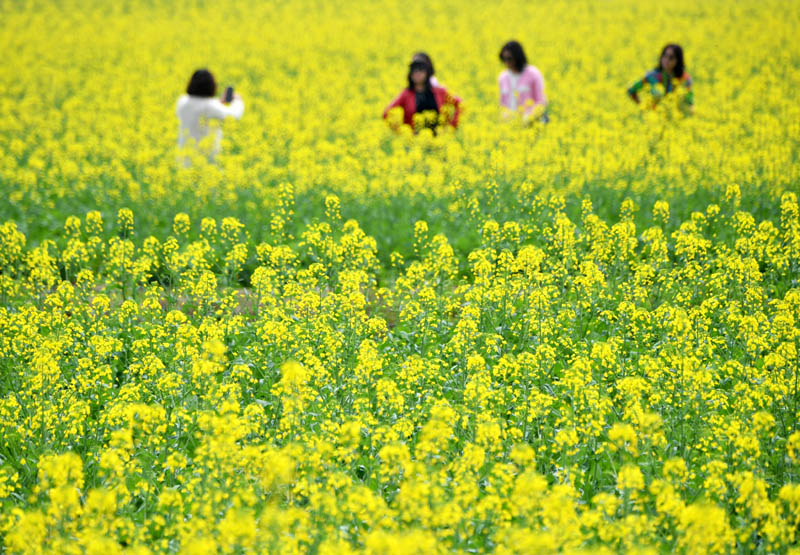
x=503 y=75
x=653 y=75
x=183 y=105
x=443 y=94
x=191 y=100
x=532 y=70
x=403 y=97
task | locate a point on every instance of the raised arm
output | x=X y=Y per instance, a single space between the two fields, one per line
x=219 y=110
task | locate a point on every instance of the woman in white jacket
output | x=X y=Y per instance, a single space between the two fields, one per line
x=199 y=105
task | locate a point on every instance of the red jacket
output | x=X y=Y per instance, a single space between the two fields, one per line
x=407 y=99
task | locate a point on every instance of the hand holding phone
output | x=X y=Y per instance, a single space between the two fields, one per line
x=228 y=97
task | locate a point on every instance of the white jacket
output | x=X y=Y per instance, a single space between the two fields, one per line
x=195 y=111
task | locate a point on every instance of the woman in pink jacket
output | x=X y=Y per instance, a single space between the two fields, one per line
x=521 y=84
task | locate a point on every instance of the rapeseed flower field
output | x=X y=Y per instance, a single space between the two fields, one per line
x=578 y=336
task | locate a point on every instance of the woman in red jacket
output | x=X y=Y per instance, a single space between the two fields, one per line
x=434 y=104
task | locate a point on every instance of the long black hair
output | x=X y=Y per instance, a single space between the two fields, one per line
x=517 y=53
x=418 y=64
x=678 y=52
x=423 y=57
x=202 y=84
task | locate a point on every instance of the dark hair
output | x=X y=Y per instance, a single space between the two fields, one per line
x=678 y=51
x=202 y=84
x=419 y=65
x=423 y=57
x=515 y=49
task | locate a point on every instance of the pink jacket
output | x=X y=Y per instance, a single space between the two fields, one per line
x=530 y=86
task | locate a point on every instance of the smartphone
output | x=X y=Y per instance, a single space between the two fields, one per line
x=228 y=95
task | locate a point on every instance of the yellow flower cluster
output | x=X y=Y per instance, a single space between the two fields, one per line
x=565 y=390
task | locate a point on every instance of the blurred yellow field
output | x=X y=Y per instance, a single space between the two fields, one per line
x=333 y=337
x=89 y=95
